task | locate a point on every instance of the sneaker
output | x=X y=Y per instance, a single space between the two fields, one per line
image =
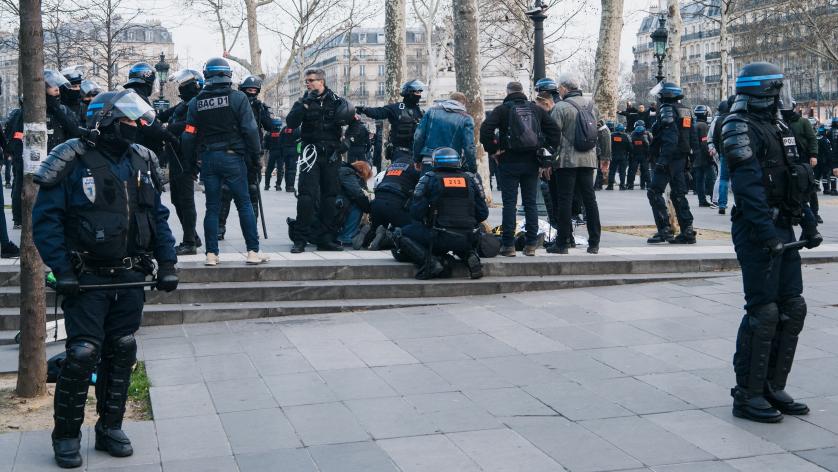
x=529 y=250
x=184 y=249
x=704 y=203
x=380 y=234
x=9 y=250
x=722 y=211
x=556 y=249
x=254 y=258
x=212 y=259
x=358 y=239
x=475 y=268
x=507 y=251
x=713 y=205
x=298 y=248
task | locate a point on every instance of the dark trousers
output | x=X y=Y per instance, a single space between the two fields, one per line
x=443 y=241
x=618 y=166
x=563 y=184
x=7 y=171
x=640 y=161
x=674 y=175
x=493 y=172
x=97 y=314
x=183 y=199
x=318 y=189
x=512 y=174
x=388 y=209
x=17 y=191
x=705 y=179
x=287 y=167
x=274 y=162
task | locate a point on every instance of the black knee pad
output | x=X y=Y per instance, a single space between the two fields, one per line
x=763 y=319
x=122 y=350
x=793 y=312
x=82 y=356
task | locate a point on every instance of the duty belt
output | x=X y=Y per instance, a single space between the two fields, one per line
x=108 y=268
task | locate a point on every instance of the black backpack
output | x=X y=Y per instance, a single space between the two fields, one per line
x=523 y=130
x=585 y=138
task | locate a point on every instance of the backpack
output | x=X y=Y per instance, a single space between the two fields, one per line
x=523 y=130
x=585 y=137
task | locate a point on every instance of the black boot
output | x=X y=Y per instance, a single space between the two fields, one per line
x=753 y=407
x=329 y=246
x=782 y=401
x=792 y=315
x=298 y=247
x=687 y=236
x=475 y=267
x=70 y=398
x=429 y=266
x=754 y=345
x=112 y=383
x=380 y=233
x=9 y=250
x=663 y=235
x=184 y=249
x=222 y=230
x=67 y=452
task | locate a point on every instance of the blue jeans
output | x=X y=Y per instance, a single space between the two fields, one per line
x=511 y=175
x=704 y=180
x=724 y=182
x=351 y=223
x=221 y=167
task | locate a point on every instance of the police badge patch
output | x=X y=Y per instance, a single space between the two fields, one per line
x=88 y=184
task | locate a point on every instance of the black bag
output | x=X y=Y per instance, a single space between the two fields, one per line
x=523 y=130
x=585 y=137
x=488 y=245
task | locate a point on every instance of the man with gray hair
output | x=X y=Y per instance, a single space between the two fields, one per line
x=574 y=168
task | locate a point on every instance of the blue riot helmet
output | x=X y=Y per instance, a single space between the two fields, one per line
x=724 y=107
x=639 y=128
x=446 y=157
x=109 y=107
x=546 y=85
x=610 y=124
x=822 y=130
x=411 y=87
x=668 y=92
x=760 y=79
x=620 y=127
x=141 y=73
x=189 y=82
x=277 y=123
x=217 y=71
x=700 y=112
x=639 y=123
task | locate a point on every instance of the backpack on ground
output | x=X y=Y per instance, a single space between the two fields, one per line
x=585 y=137
x=523 y=131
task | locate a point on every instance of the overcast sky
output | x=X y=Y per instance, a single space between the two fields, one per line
x=196 y=40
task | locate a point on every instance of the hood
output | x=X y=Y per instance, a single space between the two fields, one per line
x=515 y=96
x=450 y=105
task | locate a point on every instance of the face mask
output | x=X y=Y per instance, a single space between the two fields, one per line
x=128 y=133
x=188 y=92
x=412 y=99
x=251 y=96
x=53 y=101
x=69 y=95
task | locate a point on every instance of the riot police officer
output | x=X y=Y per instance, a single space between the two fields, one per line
x=621 y=151
x=251 y=86
x=183 y=169
x=71 y=91
x=88 y=91
x=674 y=138
x=322 y=115
x=641 y=140
x=826 y=166
x=392 y=196
x=98 y=220
x=141 y=79
x=221 y=131
x=274 y=148
x=403 y=118
x=447 y=206
x=289 y=145
x=702 y=163
x=771 y=188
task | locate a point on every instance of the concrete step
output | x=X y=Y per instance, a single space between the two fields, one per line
x=193 y=303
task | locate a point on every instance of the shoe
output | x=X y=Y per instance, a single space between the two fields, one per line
x=184 y=249
x=629 y=187
x=358 y=239
x=198 y=242
x=329 y=246
x=529 y=250
x=16 y=226
x=722 y=211
x=507 y=251
x=704 y=204
x=687 y=236
x=212 y=259
x=8 y=185
x=623 y=187
x=661 y=237
x=556 y=249
x=254 y=258
x=713 y=205
x=113 y=441
x=642 y=187
x=66 y=451
x=610 y=187
x=267 y=187
x=753 y=407
x=820 y=220
x=475 y=267
x=290 y=189
x=278 y=188
x=9 y=250
x=593 y=249
x=782 y=401
x=380 y=233
x=298 y=248
x=222 y=230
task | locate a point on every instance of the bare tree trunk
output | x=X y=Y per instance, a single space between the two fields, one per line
x=32 y=362
x=394 y=38
x=676 y=28
x=253 y=37
x=467 y=67
x=606 y=71
x=724 y=19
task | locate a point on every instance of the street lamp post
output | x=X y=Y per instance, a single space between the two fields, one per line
x=537 y=15
x=162 y=69
x=659 y=37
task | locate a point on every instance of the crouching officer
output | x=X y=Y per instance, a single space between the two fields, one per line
x=392 y=197
x=771 y=189
x=98 y=220
x=447 y=206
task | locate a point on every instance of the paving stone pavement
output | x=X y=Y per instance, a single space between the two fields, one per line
x=630 y=378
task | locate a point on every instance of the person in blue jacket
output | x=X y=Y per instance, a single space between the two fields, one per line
x=446 y=124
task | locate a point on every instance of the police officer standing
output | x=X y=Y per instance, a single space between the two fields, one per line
x=221 y=131
x=322 y=115
x=71 y=91
x=447 y=206
x=403 y=118
x=98 y=220
x=621 y=151
x=641 y=140
x=274 y=147
x=770 y=188
x=702 y=162
x=289 y=145
x=141 y=79
x=183 y=170
x=674 y=138
x=88 y=91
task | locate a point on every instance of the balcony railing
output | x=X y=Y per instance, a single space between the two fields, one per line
x=712 y=79
x=691 y=78
x=713 y=55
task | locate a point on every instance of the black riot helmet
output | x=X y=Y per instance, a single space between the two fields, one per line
x=141 y=73
x=73 y=75
x=189 y=82
x=446 y=158
x=109 y=107
x=217 y=71
x=668 y=92
x=700 y=112
x=411 y=87
x=251 y=81
x=53 y=79
x=760 y=80
x=344 y=112
x=724 y=107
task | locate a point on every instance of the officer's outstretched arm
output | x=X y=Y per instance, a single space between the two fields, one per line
x=378 y=113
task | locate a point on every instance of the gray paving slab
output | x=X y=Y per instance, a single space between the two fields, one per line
x=240 y=395
x=826 y=458
x=390 y=417
x=177 y=401
x=215 y=344
x=279 y=361
x=143 y=436
x=468 y=374
x=226 y=367
x=325 y=423
x=299 y=389
x=352 y=457
x=201 y=329
x=195 y=437
x=205 y=464
x=432 y=349
x=168 y=372
x=8 y=450
x=526 y=340
x=681 y=356
x=571 y=445
x=503 y=450
x=166 y=348
x=134 y=468
x=797 y=434
x=689 y=388
x=432 y=453
x=452 y=412
x=636 y=396
x=576 y=402
x=632 y=362
x=709 y=466
x=329 y=354
x=520 y=370
x=509 y=402
x=480 y=345
x=774 y=463
x=351 y=384
x=380 y=353
x=259 y=430
x=34 y=452
x=291 y=460
x=413 y=379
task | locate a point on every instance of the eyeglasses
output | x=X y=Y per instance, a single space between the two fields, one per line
x=308 y=81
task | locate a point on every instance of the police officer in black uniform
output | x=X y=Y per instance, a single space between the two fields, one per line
x=403 y=118
x=641 y=140
x=289 y=145
x=71 y=91
x=621 y=151
x=274 y=149
x=447 y=206
x=771 y=189
x=61 y=126
x=221 y=131
x=183 y=170
x=141 y=79
x=251 y=86
x=674 y=138
x=88 y=91
x=98 y=220
x=392 y=197
x=322 y=115
x=360 y=149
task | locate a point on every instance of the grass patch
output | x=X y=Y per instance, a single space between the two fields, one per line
x=645 y=231
x=138 y=393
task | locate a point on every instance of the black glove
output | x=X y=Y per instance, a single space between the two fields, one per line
x=774 y=247
x=814 y=239
x=67 y=284
x=166 y=277
x=359 y=109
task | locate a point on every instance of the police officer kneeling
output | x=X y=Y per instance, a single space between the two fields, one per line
x=448 y=204
x=771 y=189
x=97 y=220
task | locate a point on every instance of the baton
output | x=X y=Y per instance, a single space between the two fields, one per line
x=171 y=150
x=796 y=244
x=261 y=209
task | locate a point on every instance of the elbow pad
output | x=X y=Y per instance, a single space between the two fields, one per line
x=667 y=115
x=59 y=163
x=736 y=142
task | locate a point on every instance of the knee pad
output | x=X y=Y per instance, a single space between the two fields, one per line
x=793 y=312
x=82 y=357
x=123 y=350
x=763 y=319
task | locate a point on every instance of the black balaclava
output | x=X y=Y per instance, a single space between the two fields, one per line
x=252 y=96
x=189 y=91
x=70 y=97
x=116 y=137
x=53 y=101
x=142 y=89
x=412 y=99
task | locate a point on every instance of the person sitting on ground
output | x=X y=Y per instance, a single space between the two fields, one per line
x=353 y=201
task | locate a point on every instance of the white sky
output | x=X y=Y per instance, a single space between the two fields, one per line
x=196 y=40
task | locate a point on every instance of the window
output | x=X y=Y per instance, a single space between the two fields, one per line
x=362 y=88
x=363 y=71
x=381 y=70
x=381 y=89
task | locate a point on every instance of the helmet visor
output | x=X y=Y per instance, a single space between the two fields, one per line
x=54 y=79
x=89 y=87
x=133 y=107
x=785 y=100
x=182 y=76
x=653 y=94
